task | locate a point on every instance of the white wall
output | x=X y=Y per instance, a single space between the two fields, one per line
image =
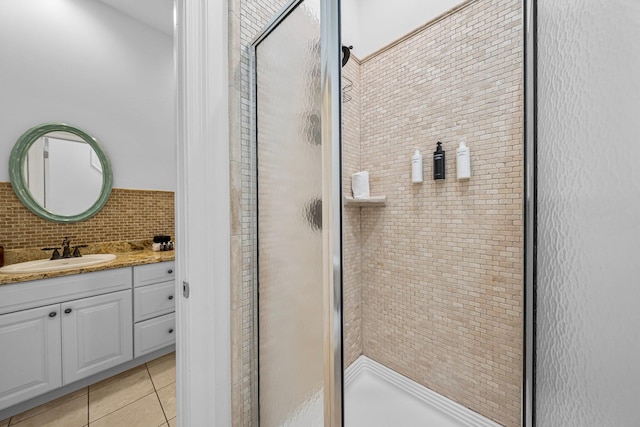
x=370 y=25
x=350 y=24
x=84 y=63
x=588 y=314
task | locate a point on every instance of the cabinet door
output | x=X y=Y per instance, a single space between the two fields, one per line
x=96 y=334
x=30 y=354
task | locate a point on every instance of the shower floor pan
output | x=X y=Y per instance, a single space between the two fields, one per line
x=376 y=396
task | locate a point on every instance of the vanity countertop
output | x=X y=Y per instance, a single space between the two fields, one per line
x=123 y=259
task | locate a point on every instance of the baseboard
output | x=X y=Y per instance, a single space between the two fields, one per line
x=429 y=397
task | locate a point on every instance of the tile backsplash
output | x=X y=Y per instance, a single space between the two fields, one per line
x=129 y=215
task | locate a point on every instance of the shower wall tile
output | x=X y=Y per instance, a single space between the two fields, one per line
x=442 y=263
x=246 y=19
x=352 y=235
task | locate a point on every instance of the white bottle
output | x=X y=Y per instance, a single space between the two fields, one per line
x=463 y=161
x=416 y=167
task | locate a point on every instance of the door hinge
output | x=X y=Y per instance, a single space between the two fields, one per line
x=185 y=289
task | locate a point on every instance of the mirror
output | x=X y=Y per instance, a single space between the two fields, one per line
x=60 y=173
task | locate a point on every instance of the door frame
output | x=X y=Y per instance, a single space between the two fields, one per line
x=203 y=231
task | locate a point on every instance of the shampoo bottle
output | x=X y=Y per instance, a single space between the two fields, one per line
x=463 y=162
x=416 y=167
x=438 y=162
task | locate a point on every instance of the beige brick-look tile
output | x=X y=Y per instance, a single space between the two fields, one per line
x=246 y=20
x=441 y=264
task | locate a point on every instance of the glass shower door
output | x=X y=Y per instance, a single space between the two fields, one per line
x=292 y=298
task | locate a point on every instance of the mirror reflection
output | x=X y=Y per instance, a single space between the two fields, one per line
x=63 y=173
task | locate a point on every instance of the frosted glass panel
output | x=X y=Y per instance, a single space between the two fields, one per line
x=289 y=222
x=588 y=291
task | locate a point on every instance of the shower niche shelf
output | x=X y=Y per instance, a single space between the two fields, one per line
x=369 y=201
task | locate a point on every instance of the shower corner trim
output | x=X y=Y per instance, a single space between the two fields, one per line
x=530 y=211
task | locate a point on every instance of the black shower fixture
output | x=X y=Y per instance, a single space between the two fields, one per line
x=346 y=54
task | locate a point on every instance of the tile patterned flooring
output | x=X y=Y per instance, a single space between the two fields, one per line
x=144 y=396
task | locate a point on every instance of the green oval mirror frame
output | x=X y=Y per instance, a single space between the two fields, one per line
x=20 y=185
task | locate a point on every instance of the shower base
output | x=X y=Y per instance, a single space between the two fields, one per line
x=376 y=396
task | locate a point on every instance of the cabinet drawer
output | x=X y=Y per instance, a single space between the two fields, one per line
x=154 y=334
x=153 y=300
x=153 y=273
x=25 y=295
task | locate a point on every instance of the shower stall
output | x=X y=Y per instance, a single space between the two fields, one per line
x=406 y=307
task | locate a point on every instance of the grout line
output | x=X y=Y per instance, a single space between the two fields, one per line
x=88 y=400
x=155 y=390
x=162 y=407
x=146 y=365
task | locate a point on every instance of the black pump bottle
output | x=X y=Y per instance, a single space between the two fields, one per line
x=438 y=162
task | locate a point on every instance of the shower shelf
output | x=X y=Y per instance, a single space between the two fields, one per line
x=370 y=201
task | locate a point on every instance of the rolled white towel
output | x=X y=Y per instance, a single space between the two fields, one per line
x=360 y=185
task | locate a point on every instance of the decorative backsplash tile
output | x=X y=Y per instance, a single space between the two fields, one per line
x=129 y=215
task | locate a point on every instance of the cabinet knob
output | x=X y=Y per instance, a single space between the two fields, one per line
x=170 y=296
x=171 y=331
x=53 y=314
x=67 y=311
x=170 y=271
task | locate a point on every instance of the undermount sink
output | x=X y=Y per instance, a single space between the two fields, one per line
x=46 y=265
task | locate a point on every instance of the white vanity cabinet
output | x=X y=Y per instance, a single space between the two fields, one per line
x=56 y=331
x=30 y=354
x=154 y=306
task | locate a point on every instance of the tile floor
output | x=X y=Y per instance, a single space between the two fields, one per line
x=140 y=397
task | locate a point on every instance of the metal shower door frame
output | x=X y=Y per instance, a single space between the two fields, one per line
x=332 y=209
x=332 y=201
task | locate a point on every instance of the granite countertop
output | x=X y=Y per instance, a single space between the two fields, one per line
x=123 y=259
